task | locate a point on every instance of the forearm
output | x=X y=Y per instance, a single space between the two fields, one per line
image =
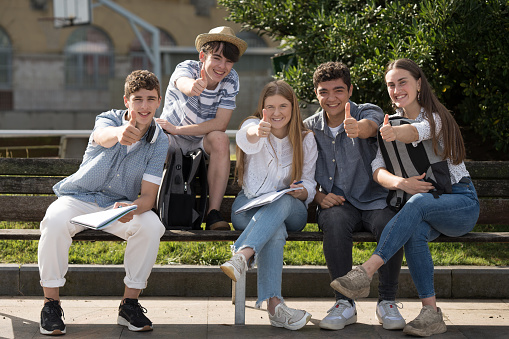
x=406 y=133
x=106 y=137
x=387 y=179
x=202 y=128
x=367 y=128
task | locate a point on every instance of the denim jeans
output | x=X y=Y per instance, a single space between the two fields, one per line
x=423 y=219
x=338 y=223
x=265 y=231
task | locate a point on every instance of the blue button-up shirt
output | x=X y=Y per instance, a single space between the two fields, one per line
x=109 y=175
x=344 y=164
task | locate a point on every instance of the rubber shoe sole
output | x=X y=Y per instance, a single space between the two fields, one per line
x=295 y=326
x=363 y=293
x=123 y=322
x=54 y=332
x=229 y=271
x=426 y=332
x=334 y=326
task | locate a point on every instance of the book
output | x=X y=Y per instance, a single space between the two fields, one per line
x=98 y=220
x=265 y=199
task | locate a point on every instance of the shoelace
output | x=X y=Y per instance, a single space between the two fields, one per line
x=285 y=310
x=339 y=307
x=392 y=311
x=55 y=310
x=135 y=305
x=238 y=263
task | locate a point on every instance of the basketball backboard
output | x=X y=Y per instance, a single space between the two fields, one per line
x=72 y=12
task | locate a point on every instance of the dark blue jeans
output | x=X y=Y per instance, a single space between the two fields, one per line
x=338 y=223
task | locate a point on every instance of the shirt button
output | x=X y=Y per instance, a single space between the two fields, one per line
x=333 y=142
x=333 y=160
x=330 y=178
x=118 y=175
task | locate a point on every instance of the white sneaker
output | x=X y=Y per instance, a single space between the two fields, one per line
x=289 y=318
x=235 y=267
x=339 y=315
x=388 y=315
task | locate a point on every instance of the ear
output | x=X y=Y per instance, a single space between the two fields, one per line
x=126 y=102
x=203 y=56
x=419 y=84
x=350 y=91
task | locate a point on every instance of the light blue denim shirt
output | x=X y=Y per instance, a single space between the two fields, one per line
x=344 y=165
x=109 y=175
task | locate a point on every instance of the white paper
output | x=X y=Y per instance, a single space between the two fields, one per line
x=265 y=199
x=101 y=219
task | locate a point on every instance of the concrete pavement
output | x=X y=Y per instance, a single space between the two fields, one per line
x=177 y=317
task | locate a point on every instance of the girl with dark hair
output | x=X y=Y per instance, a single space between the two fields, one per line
x=425 y=215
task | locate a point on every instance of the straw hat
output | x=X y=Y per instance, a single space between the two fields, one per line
x=222 y=33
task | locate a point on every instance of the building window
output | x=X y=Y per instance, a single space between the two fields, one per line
x=88 y=59
x=140 y=60
x=6 y=102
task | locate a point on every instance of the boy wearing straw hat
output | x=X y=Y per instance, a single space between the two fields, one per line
x=199 y=103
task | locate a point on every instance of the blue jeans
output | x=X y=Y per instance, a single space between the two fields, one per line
x=265 y=231
x=423 y=219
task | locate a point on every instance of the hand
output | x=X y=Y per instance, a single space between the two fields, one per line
x=167 y=126
x=331 y=200
x=129 y=216
x=129 y=133
x=387 y=132
x=264 y=125
x=298 y=194
x=350 y=124
x=199 y=84
x=414 y=185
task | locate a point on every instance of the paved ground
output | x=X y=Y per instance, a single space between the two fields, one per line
x=214 y=318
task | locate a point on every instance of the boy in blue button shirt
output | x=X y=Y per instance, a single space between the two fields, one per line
x=348 y=198
x=122 y=165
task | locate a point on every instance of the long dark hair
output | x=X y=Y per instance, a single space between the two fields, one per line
x=454 y=147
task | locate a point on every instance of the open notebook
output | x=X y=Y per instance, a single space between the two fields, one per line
x=265 y=199
x=101 y=219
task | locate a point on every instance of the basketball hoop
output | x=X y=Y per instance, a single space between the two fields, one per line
x=67 y=13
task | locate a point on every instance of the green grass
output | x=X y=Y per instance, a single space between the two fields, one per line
x=215 y=253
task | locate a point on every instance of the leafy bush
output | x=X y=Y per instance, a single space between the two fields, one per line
x=462 y=46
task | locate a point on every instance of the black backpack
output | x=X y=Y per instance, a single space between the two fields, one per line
x=182 y=196
x=405 y=160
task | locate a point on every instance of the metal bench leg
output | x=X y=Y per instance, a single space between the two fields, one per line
x=240 y=300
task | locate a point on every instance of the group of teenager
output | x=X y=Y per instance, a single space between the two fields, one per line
x=332 y=158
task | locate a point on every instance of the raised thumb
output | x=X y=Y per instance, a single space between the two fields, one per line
x=265 y=117
x=386 y=119
x=347 y=111
x=132 y=121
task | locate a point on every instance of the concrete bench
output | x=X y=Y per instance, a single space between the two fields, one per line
x=26 y=192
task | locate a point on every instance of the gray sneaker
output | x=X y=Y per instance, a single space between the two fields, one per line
x=427 y=323
x=289 y=318
x=339 y=315
x=388 y=315
x=235 y=267
x=354 y=285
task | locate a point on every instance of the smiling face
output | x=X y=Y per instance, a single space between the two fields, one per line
x=216 y=66
x=333 y=96
x=279 y=114
x=144 y=103
x=403 y=89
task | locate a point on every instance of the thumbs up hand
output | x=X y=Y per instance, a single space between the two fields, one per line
x=387 y=131
x=193 y=87
x=350 y=124
x=264 y=126
x=129 y=133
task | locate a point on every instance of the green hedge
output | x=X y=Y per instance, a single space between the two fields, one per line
x=462 y=46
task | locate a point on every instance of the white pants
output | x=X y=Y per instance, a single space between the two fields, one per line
x=142 y=233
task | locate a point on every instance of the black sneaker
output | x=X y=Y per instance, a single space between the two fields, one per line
x=214 y=221
x=131 y=314
x=51 y=318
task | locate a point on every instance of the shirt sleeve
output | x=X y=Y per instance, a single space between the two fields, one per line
x=155 y=166
x=185 y=69
x=241 y=138
x=424 y=129
x=378 y=162
x=310 y=152
x=230 y=91
x=371 y=112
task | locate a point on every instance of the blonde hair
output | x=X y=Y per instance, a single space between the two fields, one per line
x=295 y=128
x=454 y=147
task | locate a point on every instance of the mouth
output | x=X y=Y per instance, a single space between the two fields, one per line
x=399 y=97
x=144 y=114
x=219 y=73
